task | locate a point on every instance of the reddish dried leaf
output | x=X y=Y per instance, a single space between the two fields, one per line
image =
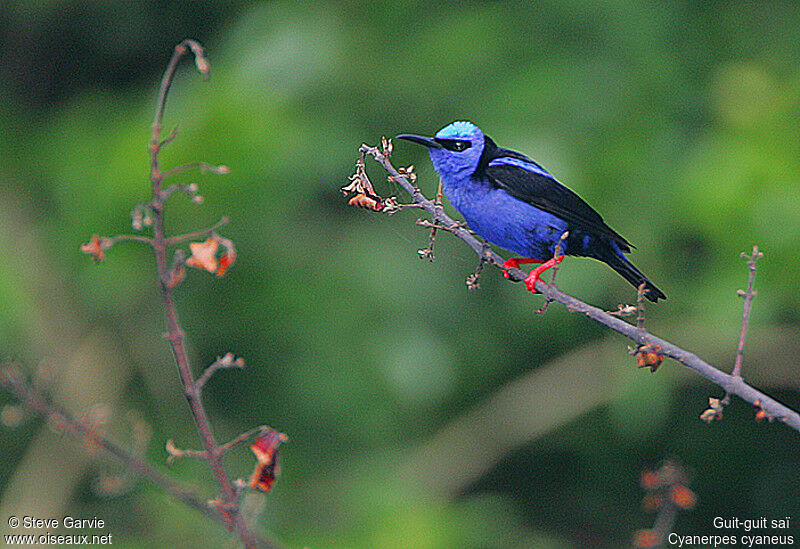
x=267 y=468
x=710 y=415
x=648 y=356
x=226 y=261
x=368 y=202
x=96 y=247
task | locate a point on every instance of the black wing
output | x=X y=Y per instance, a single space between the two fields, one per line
x=549 y=195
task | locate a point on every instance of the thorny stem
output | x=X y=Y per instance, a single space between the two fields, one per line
x=731 y=384
x=175 y=334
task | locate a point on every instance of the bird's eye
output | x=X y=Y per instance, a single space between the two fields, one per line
x=456 y=145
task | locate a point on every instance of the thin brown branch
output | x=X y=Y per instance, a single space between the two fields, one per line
x=247 y=435
x=472 y=280
x=189 y=190
x=11 y=378
x=166 y=83
x=428 y=252
x=647 y=355
x=664 y=522
x=748 y=295
x=131 y=238
x=37 y=403
x=728 y=382
x=435 y=226
x=170 y=138
x=175 y=334
x=226 y=361
x=176 y=453
x=556 y=254
x=191 y=236
x=640 y=291
x=202 y=166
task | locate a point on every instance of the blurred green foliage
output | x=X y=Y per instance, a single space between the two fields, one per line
x=677 y=121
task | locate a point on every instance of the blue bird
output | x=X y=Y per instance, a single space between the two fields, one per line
x=513 y=202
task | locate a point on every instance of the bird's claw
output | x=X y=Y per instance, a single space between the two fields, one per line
x=535 y=275
x=530 y=282
x=514 y=262
x=508 y=264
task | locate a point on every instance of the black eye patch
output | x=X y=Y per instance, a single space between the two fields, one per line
x=456 y=145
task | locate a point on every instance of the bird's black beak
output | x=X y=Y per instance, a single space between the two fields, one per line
x=427 y=141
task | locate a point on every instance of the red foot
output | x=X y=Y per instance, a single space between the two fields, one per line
x=515 y=261
x=530 y=281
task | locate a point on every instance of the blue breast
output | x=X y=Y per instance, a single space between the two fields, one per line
x=503 y=220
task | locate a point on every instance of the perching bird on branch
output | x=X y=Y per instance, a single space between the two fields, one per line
x=513 y=202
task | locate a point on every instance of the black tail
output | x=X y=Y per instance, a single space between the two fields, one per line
x=633 y=275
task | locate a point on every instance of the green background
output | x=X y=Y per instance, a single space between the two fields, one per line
x=419 y=414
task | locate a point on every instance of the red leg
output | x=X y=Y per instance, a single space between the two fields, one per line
x=530 y=281
x=515 y=261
